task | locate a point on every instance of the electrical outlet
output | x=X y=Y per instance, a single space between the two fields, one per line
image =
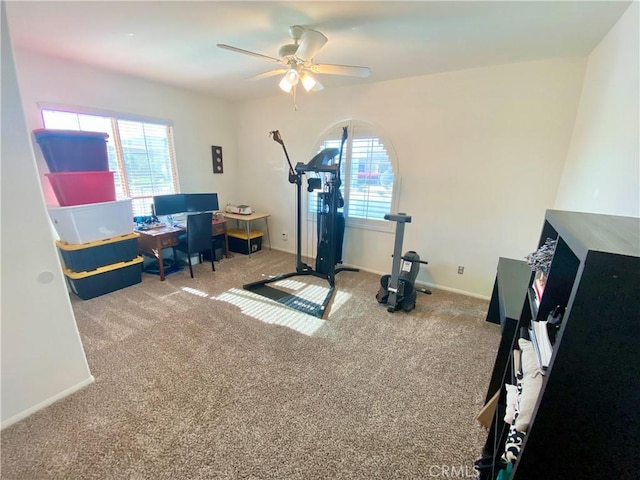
x=460 y=270
x=285 y=237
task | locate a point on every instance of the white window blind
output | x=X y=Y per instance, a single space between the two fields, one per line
x=141 y=154
x=367 y=174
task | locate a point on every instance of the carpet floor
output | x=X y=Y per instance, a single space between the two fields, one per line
x=200 y=379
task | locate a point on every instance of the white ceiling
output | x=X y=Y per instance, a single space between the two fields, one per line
x=174 y=42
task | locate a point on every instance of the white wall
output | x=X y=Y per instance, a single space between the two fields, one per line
x=199 y=121
x=480 y=156
x=602 y=172
x=42 y=356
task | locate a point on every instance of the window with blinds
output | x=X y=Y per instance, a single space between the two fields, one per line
x=367 y=174
x=141 y=154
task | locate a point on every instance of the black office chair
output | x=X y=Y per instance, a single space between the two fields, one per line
x=197 y=239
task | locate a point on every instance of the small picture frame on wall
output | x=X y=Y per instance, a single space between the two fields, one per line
x=216 y=153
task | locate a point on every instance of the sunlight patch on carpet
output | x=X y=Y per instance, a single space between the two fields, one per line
x=312 y=293
x=194 y=291
x=339 y=299
x=289 y=284
x=307 y=298
x=270 y=311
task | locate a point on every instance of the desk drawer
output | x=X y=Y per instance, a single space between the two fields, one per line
x=169 y=240
x=217 y=229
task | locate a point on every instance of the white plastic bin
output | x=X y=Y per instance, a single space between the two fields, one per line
x=93 y=221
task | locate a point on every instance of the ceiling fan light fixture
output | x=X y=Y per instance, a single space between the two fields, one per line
x=284 y=85
x=290 y=80
x=308 y=82
x=292 y=76
x=295 y=61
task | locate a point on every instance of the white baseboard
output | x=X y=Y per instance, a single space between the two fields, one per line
x=420 y=284
x=29 y=411
x=454 y=290
x=278 y=249
x=432 y=285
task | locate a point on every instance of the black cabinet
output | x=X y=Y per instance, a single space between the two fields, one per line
x=513 y=278
x=586 y=422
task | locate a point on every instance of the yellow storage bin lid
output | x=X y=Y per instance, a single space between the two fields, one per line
x=98 y=271
x=240 y=233
x=80 y=246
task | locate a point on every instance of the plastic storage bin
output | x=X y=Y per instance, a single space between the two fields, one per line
x=95 y=221
x=86 y=257
x=238 y=241
x=106 y=279
x=73 y=151
x=79 y=188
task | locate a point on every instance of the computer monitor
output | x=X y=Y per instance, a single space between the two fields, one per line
x=169 y=204
x=201 y=202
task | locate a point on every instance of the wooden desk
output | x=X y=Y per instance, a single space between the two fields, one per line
x=153 y=241
x=248 y=219
x=219 y=227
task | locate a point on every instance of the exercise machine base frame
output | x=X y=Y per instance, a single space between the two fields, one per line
x=300 y=272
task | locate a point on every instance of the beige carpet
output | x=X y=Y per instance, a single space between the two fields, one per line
x=197 y=378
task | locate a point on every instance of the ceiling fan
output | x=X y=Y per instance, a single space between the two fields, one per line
x=296 y=60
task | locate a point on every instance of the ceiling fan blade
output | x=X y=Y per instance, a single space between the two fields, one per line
x=311 y=42
x=271 y=73
x=247 y=52
x=350 y=70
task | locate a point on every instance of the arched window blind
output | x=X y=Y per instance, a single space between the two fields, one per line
x=367 y=173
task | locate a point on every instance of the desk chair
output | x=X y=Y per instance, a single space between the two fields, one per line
x=197 y=239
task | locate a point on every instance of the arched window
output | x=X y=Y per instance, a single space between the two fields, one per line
x=368 y=174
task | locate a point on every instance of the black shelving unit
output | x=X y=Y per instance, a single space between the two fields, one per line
x=586 y=422
x=512 y=280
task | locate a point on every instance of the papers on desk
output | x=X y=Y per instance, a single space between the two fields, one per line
x=149 y=226
x=156 y=226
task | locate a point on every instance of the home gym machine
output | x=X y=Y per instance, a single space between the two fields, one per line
x=398 y=290
x=330 y=225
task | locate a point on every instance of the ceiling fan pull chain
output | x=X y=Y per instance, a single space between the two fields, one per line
x=295 y=103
